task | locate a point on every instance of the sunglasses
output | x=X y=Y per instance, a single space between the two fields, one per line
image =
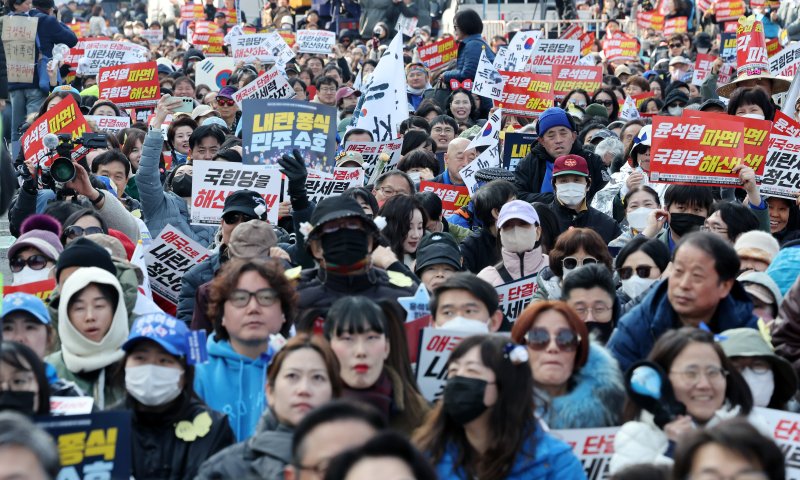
x=265 y=297
x=75 y=231
x=605 y=103
x=566 y=339
x=225 y=102
x=571 y=262
x=36 y=262
x=643 y=271
x=347 y=223
x=675 y=45
x=232 y=218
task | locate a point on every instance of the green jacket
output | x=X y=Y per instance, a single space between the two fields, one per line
x=113 y=388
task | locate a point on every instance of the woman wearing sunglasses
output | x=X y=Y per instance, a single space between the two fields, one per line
x=251 y=301
x=639 y=265
x=81 y=223
x=576 y=383
x=33 y=255
x=607 y=98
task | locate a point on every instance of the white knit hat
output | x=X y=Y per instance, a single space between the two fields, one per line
x=757 y=244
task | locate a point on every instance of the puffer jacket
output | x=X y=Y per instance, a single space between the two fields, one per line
x=469 y=55
x=601 y=223
x=159 y=207
x=479 y=250
x=518 y=265
x=199 y=274
x=594 y=400
x=786 y=328
x=785 y=267
x=548 y=286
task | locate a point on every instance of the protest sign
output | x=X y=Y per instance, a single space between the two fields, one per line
x=406 y=25
x=19 y=41
x=650 y=19
x=785 y=63
x=515 y=296
x=71 y=405
x=41 y=289
x=321 y=185
x=435 y=347
x=97 y=445
x=488 y=81
x=315 y=41
x=266 y=47
x=728 y=47
x=515 y=147
x=729 y=10
x=129 y=86
x=192 y=12
x=785 y=429
x=675 y=25
x=64 y=117
x=204 y=33
x=587 y=41
x=782 y=170
x=112 y=125
x=383 y=103
x=154 y=36
x=526 y=94
x=80 y=29
x=570 y=77
x=773 y=47
x=107 y=53
x=549 y=53
x=573 y=32
x=272 y=128
x=490 y=158
x=519 y=51
x=593 y=447
x=438 y=53
x=418 y=306
x=453 y=196
x=490 y=133
x=628 y=111
x=214 y=72
x=168 y=258
x=755 y=137
x=751 y=48
x=270 y=84
x=702 y=67
x=371 y=152
x=621 y=47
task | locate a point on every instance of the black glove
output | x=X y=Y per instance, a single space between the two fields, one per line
x=295 y=171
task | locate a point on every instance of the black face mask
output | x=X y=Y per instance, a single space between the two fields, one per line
x=344 y=247
x=463 y=399
x=21 y=402
x=182 y=185
x=683 y=223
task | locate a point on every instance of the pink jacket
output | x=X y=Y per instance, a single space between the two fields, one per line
x=532 y=262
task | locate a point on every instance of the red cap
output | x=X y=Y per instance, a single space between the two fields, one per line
x=570 y=165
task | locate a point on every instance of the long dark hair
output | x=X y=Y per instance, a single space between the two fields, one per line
x=615 y=105
x=511 y=419
x=14 y=353
x=398 y=211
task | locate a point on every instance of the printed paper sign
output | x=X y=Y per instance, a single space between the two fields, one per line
x=168 y=258
x=593 y=447
x=99 y=54
x=267 y=47
x=785 y=62
x=371 y=152
x=19 y=41
x=519 y=51
x=785 y=428
x=212 y=182
x=516 y=146
x=435 y=347
x=587 y=41
x=438 y=53
x=570 y=77
x=549 y=53
x=453 y=197
x=702 y=67
x=270 y=84
x=782 y=170
x=205 y=33
x=773 y=47
x=108 y=124
x=316 y=41
x=650 y=19
x=41 y=289
x=621 y=47
x=192 y=12
x=526 y=94
x=154 y=36
x=675 y=25
x=729 y=10
x=65 y=117
x=321 y=185
x=130 y=85
x=490 y=158
x=515 y=296
x=214 y=72
x=406 y=25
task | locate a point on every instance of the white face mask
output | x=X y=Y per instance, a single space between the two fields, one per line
x=636 y=285
x=571 y=194
x=153 y=385
x=29 y=275
x=466 y=325
x=637 y=219
x=702 y=50
x=675 y=111
x=761 y=386
x=518 y=239
x=756 y=116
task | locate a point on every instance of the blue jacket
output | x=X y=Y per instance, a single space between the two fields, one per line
x=159 y=207
x=50 y=32
x=785 y=267
x=639 y=329
x=469 y=55
x=551 y=459
x=233 y=384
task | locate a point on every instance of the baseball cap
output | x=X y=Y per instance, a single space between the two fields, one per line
x=252 y=239
x=167 y=331
x=602 y=135
x=28 y=303
x=227 y=92
x=517 y=209
x=345 y=157
x=678 y=60
x=247 y=202
x=622 y=70
x=346 y=92
x=437 y=248
x=570 y=165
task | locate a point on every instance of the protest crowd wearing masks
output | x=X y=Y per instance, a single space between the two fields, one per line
x=357 y=240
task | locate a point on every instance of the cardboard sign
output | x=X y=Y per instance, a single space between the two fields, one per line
x=570 y=77
x=435 y=347
x=516 y=296
x=19 y=41
x=168 y=258
x=41 y=289
x=214 y=72
x=453 y=197
x=782 y=170
x=702 y=67
x=438 y=53
x=373 y=167
x=321 y=185
x=103 y=123
x=549 y=53
x=621 y=47
x=516 y=146
x=675 y=25
x=526 y=94
x=212 y=182
x=130 y=85
x=406 y=25
x=65 y=117
x=316 y=41
x=785 y=62
x=92 y=446
x=593 y=447
x=272 y=128
x=267 y=47
x=270 y=84
x=729 y=10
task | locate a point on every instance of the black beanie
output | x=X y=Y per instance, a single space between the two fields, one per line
x=85 y=253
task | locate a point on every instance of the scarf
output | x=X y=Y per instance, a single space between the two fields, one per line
x=419 y=91
x=379 y=395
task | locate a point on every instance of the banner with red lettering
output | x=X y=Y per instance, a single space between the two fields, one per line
x=620 y=47
x=702 y=67
x=64 y=117
x=321 y=184
x=675 y=25
x=751 y=48
x=130 y=86
x=650 y=19
x=41 y=289
x=453 y=197
x=435 y=347
x=438 y=53
x=190 y=13
x=587 y=41
x=515 y=296
x=569 y=77
x=785 y=429
x=526 y=94
x=782 y=170
x=593 y=447
x=729 y=9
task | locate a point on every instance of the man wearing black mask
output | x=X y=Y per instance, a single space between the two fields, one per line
x=686 y=210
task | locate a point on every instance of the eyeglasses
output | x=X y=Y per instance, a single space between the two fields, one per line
x=390 y=192
x=675 y=45
x=232 y=218
x=327 y=90
x=571 y=262
x=599 y=311
x=265 y=297
x=225 y=102
x=712 y=227
x=643 y=271
x=758 y=366
x=578 y=104
x=692 y=375
x=605 y=103
x=347 y=223
x=36 y=262
x=75 y=231
x=566 y=339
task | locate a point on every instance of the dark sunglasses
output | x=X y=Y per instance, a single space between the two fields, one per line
x=605 y=103
x=566 y=339
x=675 y=45
x=36 y=262
x=643 y=271
x=571 y=262
x=75 y=231
x=232 y=218
x=227 y=102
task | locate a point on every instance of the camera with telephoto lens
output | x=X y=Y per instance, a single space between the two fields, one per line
x=60 y=146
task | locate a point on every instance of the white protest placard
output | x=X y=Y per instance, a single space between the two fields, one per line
x=170 y=255
x=488 y=159
x=372 y=150
x=436 y=344
x=785 y=430
x=702 y=67
x=785 y=62
x=270 y=84
x=212 y=182
x=315 y=41
x=153 y=36
x=515 y=296
x=108 y=53
x=593 y=447
x=383 y=104
x=490 y=133
x=519 y=51
x=109 y=124
x=547 y=53
x=406 y=25
x=19 y=41
x=267 y=47
x=71 y=405
x=781 y=177
x=488 y=81
x=214 y=72
x=320 y=185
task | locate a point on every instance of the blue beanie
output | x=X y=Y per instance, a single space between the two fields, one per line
x=552 y=117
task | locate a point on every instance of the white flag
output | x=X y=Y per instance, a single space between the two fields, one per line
x=490 y=158
x=488 y=82
x=383 y=104
x=490 y=134
x=519 y=51
x=629 y=110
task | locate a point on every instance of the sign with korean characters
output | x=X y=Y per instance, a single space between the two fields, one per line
x=272 y=128
x=192 y=12
x=755 y=139
x=435 y=347
x=516 y=146
x=675 y=25
x=650 y=19
x=315 y=41
x=549 y=53
x=212 y=182
x=489 y=158
x=728 y=47
x=785 y=62
x=103 y=123
x=593 y=447
x=406 y=25
x=570 y=77
x=270 y=84
x=321 y=185
x=785 y=429
x=65 y=117
x=515 y=296
x=519 y=52
x=371 y=151
x=154 y=36
x=439 y=53
x=751 y=47
x=267 y=47
x=621 y=47
x=96 y=446
x=526 y=94
x=41 y=289
x=19 y=41
x=107 y=53
x=130 y=86
x=729 y=10
x=488 y=81
x=453 y=197
x=702 y=67
x=168 y=258
x=782 y=170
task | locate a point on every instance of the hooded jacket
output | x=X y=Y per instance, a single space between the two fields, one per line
x=234 y=385
x=601 y=223
x=594 y=400
x=639 y=329
x=530 y=173
x=518 y=265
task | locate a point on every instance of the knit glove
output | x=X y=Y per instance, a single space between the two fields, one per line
x=295 y=170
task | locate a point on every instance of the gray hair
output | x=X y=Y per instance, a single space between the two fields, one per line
x=18 y=431
x=612 y=145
